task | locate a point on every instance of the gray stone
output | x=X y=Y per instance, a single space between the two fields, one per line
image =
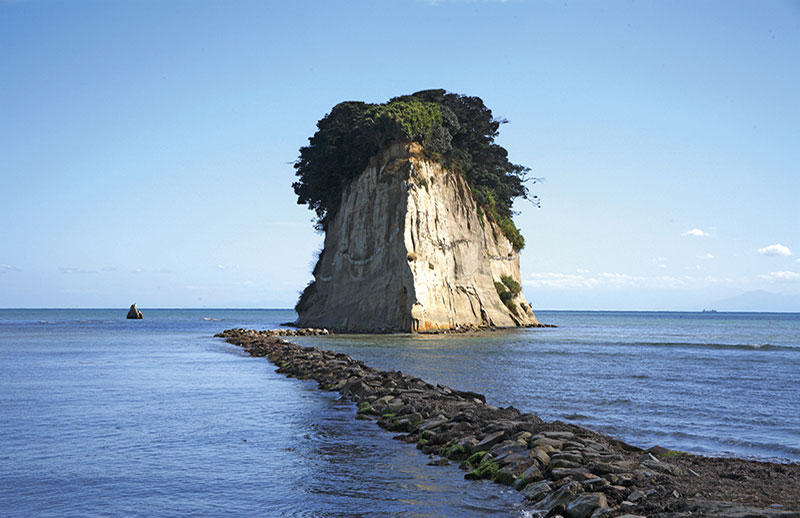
x=662 y=467
x=645 y=457
x=538 y=440
x=394 y=406
x=513 y=458
x=504 y=447
x=562 y=496
x=558 y=435
x=568 y=456
x=584 y=505
x=560 y=463
x=532 y=474
x=490 y=441
x=595 y=483
x=540 y=456
x=522 y=436
x=537 y=491
x=433 y=422
x=635 y=496
x=560 y=473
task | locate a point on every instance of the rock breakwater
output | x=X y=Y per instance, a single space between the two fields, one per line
x=560 y=469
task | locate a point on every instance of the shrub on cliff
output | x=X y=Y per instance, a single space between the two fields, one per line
x=455 y=129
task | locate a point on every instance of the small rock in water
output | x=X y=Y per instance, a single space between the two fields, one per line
x=134 y=313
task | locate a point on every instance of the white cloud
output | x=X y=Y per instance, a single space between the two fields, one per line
x=8 y=268
x=776 y=249
x=660 y=262
x=220 y=267
x=785 y=276
x=705 y=256
x=695 y=232
x=565 y=281
x=76 y=270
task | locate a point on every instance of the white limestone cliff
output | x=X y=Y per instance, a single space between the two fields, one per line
x=408 y=250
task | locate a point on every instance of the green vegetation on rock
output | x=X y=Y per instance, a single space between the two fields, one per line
x=456 y=130
x=455 y=451
x=504 y=477
x=474 y=459
x=506 y=292
x=486 y=469
x=512 y=285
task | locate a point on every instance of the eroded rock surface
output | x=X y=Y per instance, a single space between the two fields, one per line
x=560 y=469
x=408 y=250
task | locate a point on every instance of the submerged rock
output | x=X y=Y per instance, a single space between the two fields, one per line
x=134 y=313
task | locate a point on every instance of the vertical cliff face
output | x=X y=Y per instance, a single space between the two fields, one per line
x=408 y=250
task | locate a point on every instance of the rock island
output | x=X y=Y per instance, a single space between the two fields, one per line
x=414 y=197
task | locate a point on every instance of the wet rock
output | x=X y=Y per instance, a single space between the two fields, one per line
x=439 y=462
x=537 y=491
x=558 y=471
x=561 y=497
x=489 y=441
x=514 y=458
x=433 y=422
x=393 y=406
x=585 y=505
x=505 y=476
x=530 y=475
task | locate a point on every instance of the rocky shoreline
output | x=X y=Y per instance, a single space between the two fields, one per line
x=458 y=329
x=560 y=469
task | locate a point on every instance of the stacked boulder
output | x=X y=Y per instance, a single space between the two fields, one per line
x=560 y=469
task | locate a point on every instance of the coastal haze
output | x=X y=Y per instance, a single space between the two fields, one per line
x=146 y=149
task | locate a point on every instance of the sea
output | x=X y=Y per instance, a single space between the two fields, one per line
x=103 y=416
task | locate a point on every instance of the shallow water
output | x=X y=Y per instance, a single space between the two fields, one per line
x=103 y=416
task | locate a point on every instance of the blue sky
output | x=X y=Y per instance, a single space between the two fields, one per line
x=146 y=147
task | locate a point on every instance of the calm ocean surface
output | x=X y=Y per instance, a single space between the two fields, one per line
x=101 y=416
